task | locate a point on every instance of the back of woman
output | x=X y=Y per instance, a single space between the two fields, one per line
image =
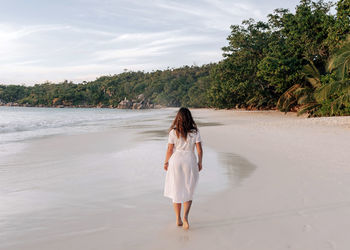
x=181 y=163
x=181 y=144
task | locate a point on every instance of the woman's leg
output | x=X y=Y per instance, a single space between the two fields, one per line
x=187 y=206
x=177 y=209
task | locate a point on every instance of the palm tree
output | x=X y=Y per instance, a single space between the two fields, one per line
x=311 y=94
x=302 y=93
x=340 y=88
x=340 y=61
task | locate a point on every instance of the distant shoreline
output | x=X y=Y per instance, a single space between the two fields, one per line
x=70 y=106
x=275 y=110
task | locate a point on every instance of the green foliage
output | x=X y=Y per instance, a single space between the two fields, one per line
x=334 y=94
x=11 y=93
x=234 y=80
x=171 y=87
x=340 y=61
x=197 y=95
x=302 y=94
x=282 y=63
x=341 y=27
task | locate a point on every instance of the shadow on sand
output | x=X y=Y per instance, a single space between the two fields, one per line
x=237 y=167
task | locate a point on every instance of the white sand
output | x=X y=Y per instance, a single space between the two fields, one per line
x=298 y=198
x=293 y=192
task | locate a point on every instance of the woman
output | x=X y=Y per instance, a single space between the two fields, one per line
x=181 y=163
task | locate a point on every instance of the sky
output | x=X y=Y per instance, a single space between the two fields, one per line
x=80 y=40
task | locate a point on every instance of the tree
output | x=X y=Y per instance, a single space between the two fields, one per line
x=234 y=80
x=338 y=89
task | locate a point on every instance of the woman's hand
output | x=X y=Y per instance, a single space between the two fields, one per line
x=199 y=166
x=168 y=155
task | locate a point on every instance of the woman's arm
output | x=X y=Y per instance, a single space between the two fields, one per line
x=169 y=152
x=200 y=155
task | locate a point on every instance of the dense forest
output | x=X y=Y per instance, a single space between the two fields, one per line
x=186 y=86
x=296 y=60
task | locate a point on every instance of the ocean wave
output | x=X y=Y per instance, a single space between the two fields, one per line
x=15 y=126
x=23 y=123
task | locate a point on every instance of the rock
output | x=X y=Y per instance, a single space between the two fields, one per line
x=12 y=104
x=141 y=97
x=136 y=105
x=100 y=105
x=125 y=104
x=139 y=103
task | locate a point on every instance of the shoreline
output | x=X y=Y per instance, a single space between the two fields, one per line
x=276 y=118
x=158 y=106
x=73 y=106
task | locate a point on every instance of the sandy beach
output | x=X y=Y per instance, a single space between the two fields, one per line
x=269 y=181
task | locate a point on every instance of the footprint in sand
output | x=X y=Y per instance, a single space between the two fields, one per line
x=332 y=245
x=307 y=228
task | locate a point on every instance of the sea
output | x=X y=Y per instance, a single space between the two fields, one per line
x=65 y=171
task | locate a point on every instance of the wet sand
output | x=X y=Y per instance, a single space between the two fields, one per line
x=269 y=181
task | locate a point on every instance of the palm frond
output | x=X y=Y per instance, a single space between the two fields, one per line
x=326 y=91
x=340 y=61
x=312 y=74
x=308 y=108
x=343 y=100
x=287 y=98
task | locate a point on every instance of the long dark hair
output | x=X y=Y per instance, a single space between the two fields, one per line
x=183 y=123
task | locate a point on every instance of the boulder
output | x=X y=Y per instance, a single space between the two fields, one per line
x=125 y=104
x=141 y=97
x=139 y=103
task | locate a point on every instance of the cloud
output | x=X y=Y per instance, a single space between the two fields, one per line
x=150 y=49
x=78 y=73
x=10 y=32
x=12 y=37
x=89 y=38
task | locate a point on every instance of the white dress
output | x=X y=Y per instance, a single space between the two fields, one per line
x=182 y=174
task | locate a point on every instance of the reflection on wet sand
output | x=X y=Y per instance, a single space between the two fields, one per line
x=207 y=124
x=136 y=126
x=237 y=167
x=159 y=134
x=155 y=133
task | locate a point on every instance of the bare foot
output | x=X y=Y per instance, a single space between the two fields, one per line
x=185 y=224
x=179 y=222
